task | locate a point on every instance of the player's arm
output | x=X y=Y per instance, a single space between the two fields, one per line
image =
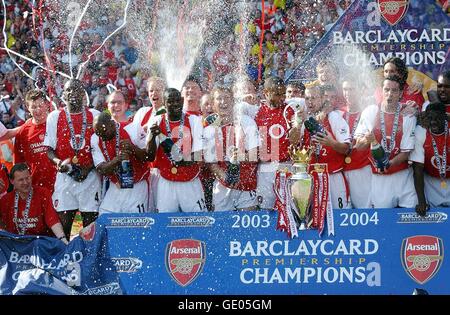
x=109 y=167
x=151 y=142
x=340 y=140
x=399 y=159
x=2 y=225
x=63 y=168
x=419 y=185
x=128 y=147
x=328 y=140
x=57 y=229
x=10 y=133
x=363 y=142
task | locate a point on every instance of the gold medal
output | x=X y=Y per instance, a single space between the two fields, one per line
x=348 y=160
x=75 y=160
x=444 y=184
x=174 y=170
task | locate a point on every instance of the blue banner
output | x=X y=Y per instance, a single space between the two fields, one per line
x=45 y=266
x=381 y=251
x=418 y=33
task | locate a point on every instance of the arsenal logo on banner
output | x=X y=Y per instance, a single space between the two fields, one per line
x=88 y=232
x=393 y=10
x=422 y=256
x=185 y=260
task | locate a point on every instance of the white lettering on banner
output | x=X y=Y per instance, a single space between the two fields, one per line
x=371 y=274
x=410 y=58
x=306 y=247
x=394 y=36
x=433 y=247
x=193 y=250
x=74 y=257
x=374 y=16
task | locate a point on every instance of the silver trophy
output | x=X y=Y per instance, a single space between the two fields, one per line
x=301 y=185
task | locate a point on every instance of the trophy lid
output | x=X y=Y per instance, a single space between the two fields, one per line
x=301 y=156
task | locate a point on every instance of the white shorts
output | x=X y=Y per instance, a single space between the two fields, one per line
x=389 y=191
x=132 y=200
x=266 y=179
x=225 y=198
x=360 y=184
x=152 y=181
x=437 y=196
x=338 y=191
x=180 y=196
x=71 y=195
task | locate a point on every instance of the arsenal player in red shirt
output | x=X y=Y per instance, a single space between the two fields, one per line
x=68 y=137
x=236 y=133
x=274 y=123
x=191 y=93
x=430 y=159
x=29 y=144
x=410 y=97
x=111 y=145
x=179 y=187
x=155 y=89
x=28 y=210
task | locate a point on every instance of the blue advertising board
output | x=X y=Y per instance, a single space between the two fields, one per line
x=381 y=251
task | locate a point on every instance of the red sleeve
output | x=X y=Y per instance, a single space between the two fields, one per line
x=419 y=99
x=4 y=178
x=18 y=148
x=289 y=114
x=51 y=217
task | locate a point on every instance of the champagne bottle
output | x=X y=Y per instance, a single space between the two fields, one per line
x=313 y=126
x=126 y=175
x=160 y=111
x=212 y=119
x=74 y=172
x=377 y=151
x=379 y=155
x=233 y=168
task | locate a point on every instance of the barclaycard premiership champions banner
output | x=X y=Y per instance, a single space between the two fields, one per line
x=417 y=31
x=383 y=251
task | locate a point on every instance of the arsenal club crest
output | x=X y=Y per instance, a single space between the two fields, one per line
x=393 y=11
x=185 y=260
x=422 y=256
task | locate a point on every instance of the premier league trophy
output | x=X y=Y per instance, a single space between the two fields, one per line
x=301 y=185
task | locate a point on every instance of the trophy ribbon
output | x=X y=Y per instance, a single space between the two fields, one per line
x=321 y=201
x=285 y=220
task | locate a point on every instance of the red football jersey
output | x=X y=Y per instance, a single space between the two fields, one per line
x=183 y=173
x=41 y=217
x=147 y=115
x=58 y=135
x=273 y=130
x=326 y=154
x=29 y=148
x=389 y=121
x=140 y=169
x=359 y=158
x=248 y=170
x=4 y=178
x=430 y=164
